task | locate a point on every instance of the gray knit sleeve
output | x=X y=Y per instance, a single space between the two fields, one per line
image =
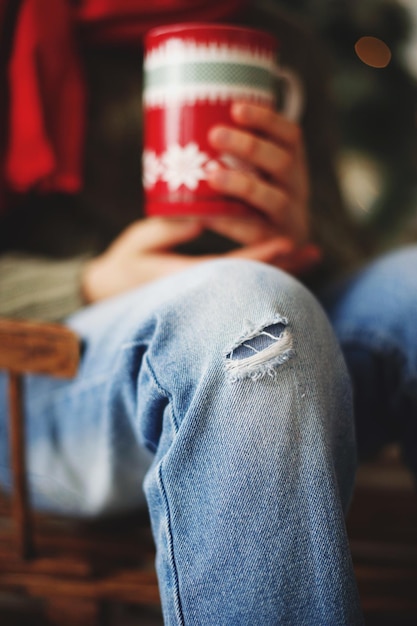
x=38 y=288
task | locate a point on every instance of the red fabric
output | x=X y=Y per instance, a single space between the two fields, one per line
x=46 y=117
x=46 y=89
x=128 y=20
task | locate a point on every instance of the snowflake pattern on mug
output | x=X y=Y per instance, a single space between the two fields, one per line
x=184 y=166
x=151 y=169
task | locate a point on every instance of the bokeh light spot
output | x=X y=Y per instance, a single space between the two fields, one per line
x=373 y=51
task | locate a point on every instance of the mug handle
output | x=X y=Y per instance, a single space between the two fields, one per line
x=293 y=100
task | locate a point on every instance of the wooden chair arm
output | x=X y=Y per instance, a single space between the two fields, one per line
x=38 y=347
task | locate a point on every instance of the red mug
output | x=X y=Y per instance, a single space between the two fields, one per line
x=192 y=74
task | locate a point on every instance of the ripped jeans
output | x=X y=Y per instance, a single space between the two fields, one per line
x=219 y=395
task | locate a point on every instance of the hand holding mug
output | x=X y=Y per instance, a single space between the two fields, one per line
x=193 y=73
x=275 y=180
x=145 y=252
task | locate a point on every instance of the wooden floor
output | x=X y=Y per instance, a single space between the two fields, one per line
x=382 y=526
x=16 y=612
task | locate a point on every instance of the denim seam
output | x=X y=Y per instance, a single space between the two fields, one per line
x=177 y=598
x=164 y=393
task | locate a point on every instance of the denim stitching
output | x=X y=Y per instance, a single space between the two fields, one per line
x=164 y=393
x=177 y=600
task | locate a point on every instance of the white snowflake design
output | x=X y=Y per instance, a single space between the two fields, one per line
x=183 y=166
x=151 y=169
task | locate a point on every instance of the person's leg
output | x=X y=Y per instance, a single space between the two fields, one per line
x=230 y=374
x=374 y=314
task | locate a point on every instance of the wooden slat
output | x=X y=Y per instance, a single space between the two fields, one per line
x=75 y=568
x=134 y=587
x=119 y=541
x=382 y=527
x=38 y=347
x=20 y=504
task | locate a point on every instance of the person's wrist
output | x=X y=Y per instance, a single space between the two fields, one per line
x=89 y=292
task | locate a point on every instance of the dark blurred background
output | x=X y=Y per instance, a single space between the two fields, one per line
x=372 y=49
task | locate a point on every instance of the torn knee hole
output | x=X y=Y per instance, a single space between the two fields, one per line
x=267 y=337
x=259 y=352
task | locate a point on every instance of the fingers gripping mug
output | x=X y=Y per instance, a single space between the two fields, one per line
x=192 y=74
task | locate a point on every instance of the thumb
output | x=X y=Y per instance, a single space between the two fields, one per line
x=156 y=234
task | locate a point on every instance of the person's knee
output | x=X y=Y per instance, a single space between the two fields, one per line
x=244 y=353
x=251 y=315
x=378 y=306
x=254 y=339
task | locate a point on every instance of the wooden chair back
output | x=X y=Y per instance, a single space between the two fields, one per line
x=74 y=567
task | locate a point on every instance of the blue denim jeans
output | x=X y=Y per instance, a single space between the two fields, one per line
x=374 y=315
x=221 y=396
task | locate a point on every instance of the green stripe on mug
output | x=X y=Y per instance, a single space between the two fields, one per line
x=210 y=73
